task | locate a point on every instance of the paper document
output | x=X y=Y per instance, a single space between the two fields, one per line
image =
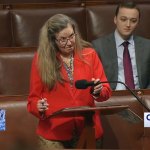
x=2 y=120
x=130 y=116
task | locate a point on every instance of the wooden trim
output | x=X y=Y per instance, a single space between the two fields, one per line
x=140 y=92
x=42 y=5
x=82 y=3
x=17 y=49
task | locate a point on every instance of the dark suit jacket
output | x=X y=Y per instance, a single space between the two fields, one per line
x=106 y=49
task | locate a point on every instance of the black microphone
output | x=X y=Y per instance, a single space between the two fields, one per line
x=83 y=84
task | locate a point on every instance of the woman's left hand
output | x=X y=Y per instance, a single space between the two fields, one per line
x=97 y=87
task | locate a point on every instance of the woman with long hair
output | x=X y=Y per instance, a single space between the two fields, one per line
x=63 y=57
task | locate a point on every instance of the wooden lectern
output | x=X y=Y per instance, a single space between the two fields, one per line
x=87 y=137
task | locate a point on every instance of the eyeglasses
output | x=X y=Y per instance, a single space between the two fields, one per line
x=63 y=41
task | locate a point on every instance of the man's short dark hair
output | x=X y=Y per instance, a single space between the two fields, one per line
x=127 y=4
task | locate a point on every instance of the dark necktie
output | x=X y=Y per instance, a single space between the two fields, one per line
x=128 y=71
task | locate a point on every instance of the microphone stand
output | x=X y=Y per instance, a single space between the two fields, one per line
x=131 y=91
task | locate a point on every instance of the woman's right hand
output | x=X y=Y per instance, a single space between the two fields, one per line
x=42 y=105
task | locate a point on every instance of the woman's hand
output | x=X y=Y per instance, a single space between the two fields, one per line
x=42 y=105
x=96 y=89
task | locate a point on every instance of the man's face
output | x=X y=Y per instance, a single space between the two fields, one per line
x=126 y=21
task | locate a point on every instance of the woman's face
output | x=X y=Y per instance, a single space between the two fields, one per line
x=65 y=40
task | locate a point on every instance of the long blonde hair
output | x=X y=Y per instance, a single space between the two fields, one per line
x=48 y=63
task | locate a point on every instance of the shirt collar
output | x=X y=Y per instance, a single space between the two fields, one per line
x=120 y=40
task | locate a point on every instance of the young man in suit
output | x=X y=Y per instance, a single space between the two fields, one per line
x=110 y=49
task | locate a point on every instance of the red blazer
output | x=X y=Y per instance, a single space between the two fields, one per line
x=62 y=96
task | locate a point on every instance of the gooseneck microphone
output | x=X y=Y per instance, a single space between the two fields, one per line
x=83 y=84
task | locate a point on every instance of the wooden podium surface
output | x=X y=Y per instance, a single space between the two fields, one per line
x=104 y=110
x=87 y=137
